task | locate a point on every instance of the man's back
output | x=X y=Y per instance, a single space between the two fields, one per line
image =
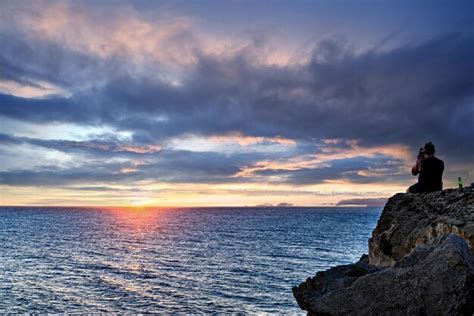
x=431 y=174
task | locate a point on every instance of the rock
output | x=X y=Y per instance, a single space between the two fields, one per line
x=420 y=262
x=409 y=220
x=334 y=279
x=432 y=280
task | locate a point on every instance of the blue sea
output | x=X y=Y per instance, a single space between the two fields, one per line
x=195 y=260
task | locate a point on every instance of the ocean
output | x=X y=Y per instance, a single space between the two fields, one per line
x=195 y=260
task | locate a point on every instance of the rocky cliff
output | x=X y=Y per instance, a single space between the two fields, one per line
x=421 y=261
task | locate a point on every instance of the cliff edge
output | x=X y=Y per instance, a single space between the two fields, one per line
x=420 y=261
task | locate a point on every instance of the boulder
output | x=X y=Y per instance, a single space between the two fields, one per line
x=420 y=261
x=435 y=279
x=409 y=220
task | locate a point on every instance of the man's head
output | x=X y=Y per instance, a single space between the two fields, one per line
x=429 y=149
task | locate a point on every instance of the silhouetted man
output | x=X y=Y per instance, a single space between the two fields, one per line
x=429 y=170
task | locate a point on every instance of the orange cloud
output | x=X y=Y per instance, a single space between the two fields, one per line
x=148 y=149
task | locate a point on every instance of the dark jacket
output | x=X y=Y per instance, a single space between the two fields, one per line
x=431 y=174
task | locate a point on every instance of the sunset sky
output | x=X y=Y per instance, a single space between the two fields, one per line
x=242 y=103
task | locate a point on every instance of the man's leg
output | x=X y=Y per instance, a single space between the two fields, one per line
x=416 y=188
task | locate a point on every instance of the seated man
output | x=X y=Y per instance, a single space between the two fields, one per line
x=429 y=170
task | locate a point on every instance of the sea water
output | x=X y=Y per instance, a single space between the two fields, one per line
x=196 y=260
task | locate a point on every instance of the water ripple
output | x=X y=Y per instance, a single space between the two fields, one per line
x=227 y=260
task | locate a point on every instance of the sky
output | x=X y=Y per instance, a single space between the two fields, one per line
x=231 y=103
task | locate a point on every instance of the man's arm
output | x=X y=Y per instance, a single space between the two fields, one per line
x=416 y=168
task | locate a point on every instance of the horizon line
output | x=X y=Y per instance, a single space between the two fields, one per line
x=183 y=207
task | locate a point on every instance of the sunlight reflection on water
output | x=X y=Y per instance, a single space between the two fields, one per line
x=171 y=260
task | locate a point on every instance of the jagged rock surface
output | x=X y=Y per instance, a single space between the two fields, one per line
x=421 y=262
x=431 y=280
x=409 y=220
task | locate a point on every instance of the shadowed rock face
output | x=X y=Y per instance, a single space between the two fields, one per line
x=409 y=220
x=421 y=261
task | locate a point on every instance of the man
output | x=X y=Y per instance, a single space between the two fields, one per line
x=429 y=170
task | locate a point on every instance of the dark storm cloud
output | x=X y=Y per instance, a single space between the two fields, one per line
x=52 y=109
x=409 y=94
x=404 y=95
x=25 y=59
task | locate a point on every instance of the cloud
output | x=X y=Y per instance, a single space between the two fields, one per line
x=29 y=90
x=356 y=170
x=138 y=163
x=91 y=146
x=244 y=140
x=282 y=204
x=171 y=166
x=56 y=177
x=116 y=31
x=103 y=189
x=376 y=202
x=336 y=159
x=336 y=114
x=383 y=101
x=33 y=63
